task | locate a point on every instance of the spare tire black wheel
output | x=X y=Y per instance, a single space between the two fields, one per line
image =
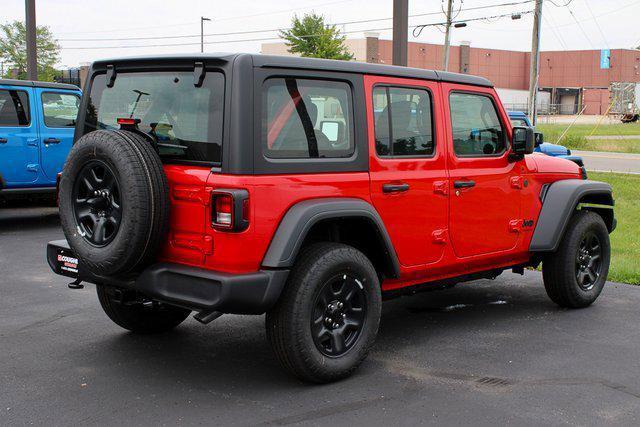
x=114 y=201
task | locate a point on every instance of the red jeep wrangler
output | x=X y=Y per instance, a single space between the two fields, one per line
x=310 y=190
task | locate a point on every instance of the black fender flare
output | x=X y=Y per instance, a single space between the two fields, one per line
x=302 y=216
x=559 y=200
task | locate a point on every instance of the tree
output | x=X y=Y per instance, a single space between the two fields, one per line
x=13 y=50
x=311 y=37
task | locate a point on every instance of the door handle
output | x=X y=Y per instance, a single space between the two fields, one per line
x=464 y=184
x=3 y=140
x=51 y=141
x=395 y=188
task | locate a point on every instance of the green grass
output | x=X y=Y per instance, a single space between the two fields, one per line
x=625 y=240
x=582 y=129
x=575 y=137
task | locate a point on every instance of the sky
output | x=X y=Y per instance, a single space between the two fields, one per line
x=88 y=30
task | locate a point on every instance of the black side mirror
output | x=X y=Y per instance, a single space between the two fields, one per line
x=522 y=140
x=539 y=138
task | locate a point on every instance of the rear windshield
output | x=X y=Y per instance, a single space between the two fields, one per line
x=184 y=120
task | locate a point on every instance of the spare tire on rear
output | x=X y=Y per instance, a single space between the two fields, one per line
x=114 y=201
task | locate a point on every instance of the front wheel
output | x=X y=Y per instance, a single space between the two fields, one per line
x=328 y=315
x=576 y=273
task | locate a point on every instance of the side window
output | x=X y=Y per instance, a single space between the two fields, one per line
x=476 y=128
x=305 y=118
x=403 y=122
x=60 y=109
x=14 y=108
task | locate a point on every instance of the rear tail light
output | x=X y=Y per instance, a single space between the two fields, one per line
x=223 y=210
x=230 y=209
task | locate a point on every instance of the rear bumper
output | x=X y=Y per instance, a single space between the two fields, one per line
x=193 y=288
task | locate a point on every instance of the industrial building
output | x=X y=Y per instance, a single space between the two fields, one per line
x=570 y=82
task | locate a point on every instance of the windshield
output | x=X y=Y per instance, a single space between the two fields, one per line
x=184 y=120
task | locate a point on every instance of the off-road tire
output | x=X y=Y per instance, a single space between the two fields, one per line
x=139 y=319
x=145 y=201
x=559 y=268
x=289 y=326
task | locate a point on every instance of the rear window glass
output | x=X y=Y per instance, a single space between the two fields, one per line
x=184 y=120
x=306 y=118
x=14 y=108
x=403 y=125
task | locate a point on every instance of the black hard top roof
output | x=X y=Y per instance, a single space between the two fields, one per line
x=48 y=85
x=274 y=61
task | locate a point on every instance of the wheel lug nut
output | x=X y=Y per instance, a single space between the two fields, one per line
x=335 y=325
x=344 y=315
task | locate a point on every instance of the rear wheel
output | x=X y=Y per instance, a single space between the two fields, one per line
x=327 y=318
x=575 y=274
x=114 y=201
x=139 y=315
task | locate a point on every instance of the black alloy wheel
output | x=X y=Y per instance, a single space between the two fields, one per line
x=97 y=203
x=339 y=313
x=588 y=261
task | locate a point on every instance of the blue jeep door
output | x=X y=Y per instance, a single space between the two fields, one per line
x=57 y=111
x=18 y=137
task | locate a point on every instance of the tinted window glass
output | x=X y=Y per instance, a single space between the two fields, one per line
x=60 y=109
x=403 y=122
x=185 y=120
x=307 y=119
x=477 y=130
x=14 y=108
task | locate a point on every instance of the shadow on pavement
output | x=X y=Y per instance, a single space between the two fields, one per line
x=27 y=214
x=231 y=352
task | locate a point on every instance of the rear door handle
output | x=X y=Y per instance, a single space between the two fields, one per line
x=52 y=141
x=395 y=188
x=464 y=184
x=3 y=140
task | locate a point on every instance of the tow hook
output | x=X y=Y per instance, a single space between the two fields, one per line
x=76 y=284
x=206 y=316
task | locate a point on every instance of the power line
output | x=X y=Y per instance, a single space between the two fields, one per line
x=262 y=38
x=229 y=18
x=560 y=5
x=418 y=28
x=597 y=24
x=584 y=33
x=361 y=21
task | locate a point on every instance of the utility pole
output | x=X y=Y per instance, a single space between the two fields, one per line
x=400 y=31
x=535 y=60
x=447 y=36
x=32 y=61
x=202 y=19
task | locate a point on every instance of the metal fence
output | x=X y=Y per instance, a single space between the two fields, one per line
x=544 y=109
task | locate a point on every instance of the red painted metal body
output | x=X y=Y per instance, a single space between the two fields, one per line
x=438 y=231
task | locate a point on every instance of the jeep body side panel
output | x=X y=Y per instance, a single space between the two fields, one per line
x=296 y=224
x=416 y=209
x=559 y=201
x=32 y=154
x=484 y=216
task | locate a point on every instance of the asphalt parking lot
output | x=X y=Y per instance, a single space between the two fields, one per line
x=482 y=353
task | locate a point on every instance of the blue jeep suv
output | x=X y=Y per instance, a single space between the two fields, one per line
x=37 y=121
x=518 y=118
